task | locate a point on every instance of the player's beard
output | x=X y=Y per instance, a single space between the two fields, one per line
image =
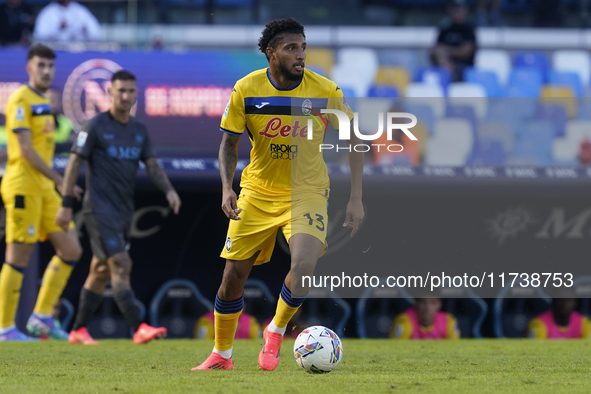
x=289 y=75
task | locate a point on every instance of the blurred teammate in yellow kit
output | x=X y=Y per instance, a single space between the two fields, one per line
x=29 y=193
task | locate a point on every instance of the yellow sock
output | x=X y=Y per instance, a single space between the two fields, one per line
x=11 y=281
x=225 y=328
x=54 y=281
x=283 y=314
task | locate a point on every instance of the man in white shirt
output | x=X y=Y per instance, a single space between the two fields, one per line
x=66 y=21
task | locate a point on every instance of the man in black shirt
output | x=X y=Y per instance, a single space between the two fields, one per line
x=112 y=143
x=456 y=43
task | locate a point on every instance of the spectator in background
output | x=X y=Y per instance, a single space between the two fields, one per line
x=488 y=13
x=560 y=322
x=66 y=21
x=425 y=320
x=456 y=43
x=16 y=23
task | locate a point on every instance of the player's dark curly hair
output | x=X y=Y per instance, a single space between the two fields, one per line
x=276 y=29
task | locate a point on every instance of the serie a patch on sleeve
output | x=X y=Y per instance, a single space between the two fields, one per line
x=20 y=113
x=81 y=140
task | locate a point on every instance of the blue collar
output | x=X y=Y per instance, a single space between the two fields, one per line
x=36 y=91
x=292 y=87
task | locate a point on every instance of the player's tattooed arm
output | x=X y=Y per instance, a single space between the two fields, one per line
x=228 y=159
x=157 y=175
x=161 y=181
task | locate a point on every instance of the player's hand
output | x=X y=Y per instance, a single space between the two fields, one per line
x=354 y=215
x=229 y=204
x=174 y=201
x=63 y=218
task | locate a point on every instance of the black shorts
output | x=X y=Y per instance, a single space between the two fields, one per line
x=108 y=234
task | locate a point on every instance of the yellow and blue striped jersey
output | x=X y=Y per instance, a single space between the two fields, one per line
x=283 y=161
x=28 y=110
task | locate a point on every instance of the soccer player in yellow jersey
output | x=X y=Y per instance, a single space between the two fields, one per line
x=285 y=186
x=29 y=193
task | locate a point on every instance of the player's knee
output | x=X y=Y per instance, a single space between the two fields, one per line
x=72 y=253
x=303 y=265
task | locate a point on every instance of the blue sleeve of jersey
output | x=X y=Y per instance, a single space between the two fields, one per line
x=147 y=150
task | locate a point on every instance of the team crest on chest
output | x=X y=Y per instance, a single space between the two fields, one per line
x=307 y=107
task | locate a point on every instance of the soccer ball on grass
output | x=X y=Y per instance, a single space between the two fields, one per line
x=318 y=349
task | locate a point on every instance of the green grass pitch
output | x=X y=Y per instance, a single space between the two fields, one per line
x=368 y=366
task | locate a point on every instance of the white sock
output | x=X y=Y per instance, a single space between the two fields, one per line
x=224 y=353
x=273 y=328
x=6 y=329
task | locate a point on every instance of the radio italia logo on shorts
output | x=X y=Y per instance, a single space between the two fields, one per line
x=392 y=123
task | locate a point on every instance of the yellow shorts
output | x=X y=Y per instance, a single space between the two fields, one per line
x=261 y=220
x=31 y=217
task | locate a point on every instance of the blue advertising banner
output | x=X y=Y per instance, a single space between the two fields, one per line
x=181 y=95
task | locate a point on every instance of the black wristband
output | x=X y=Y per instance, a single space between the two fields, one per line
x=68 y=201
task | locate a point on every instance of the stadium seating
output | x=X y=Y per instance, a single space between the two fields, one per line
x=406 y=58
x=382 y=91
x=566 y=150
x=499 y=131
x=487 y=79
x=537 y=60
x=562 y=96
x=584 y=109
x=177 y=305
x=495 y=60
x=320 y=57
x=434 y=76
x=108 y=322
x=355 y=68
x=325 y=308
x=457 y=132
x=512 y=315
x=395 y=76
x=575 y=61
x=527 y=80
x=554 y=114
x=469 y=94
x=376 y=309
x=422 y=111
x=570 y=79
x=370 y=108
x=429 y=95
x=487 y=152
x=464 y=112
